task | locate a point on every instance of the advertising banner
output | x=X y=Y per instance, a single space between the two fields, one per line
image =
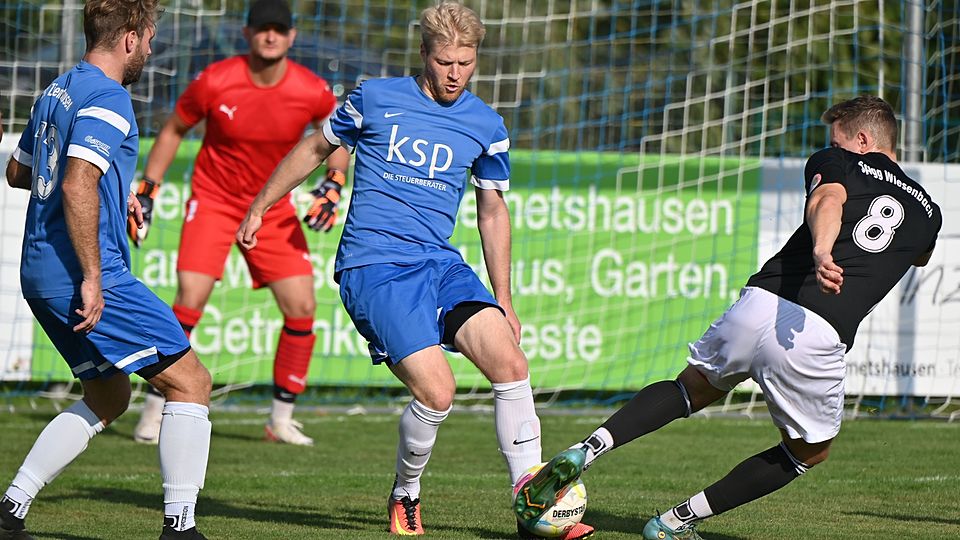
x=619 y=261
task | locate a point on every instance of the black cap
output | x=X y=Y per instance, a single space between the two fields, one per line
x=264 y=12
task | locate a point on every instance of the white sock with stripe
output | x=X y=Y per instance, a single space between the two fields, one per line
x=692 y=510
x=518 y=427
x=184 y=449
x=64 y=438
x=418 y=433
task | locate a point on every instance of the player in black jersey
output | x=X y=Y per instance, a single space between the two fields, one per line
x=866 y=222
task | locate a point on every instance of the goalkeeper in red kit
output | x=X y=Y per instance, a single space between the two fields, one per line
x=256 y=107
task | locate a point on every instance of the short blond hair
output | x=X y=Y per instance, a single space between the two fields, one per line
x=451 y=23
x=868 y=113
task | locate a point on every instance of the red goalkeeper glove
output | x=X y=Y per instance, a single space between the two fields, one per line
x=146 y=193
x=322 y=214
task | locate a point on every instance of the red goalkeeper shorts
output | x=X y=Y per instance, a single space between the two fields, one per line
x=209 y=230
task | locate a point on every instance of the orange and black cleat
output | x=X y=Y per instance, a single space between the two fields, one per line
x=404 y=516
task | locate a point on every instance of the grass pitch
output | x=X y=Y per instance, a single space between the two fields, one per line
x=885 y=479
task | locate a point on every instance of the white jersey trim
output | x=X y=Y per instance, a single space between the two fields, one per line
x=86 y=154
x=135 y=356
x=501 y=185
x=331 y=137
x=77 y=370
x=22 y=157
x=498 y=147
x=101 y=367
x=354 y=113
x=107 y=116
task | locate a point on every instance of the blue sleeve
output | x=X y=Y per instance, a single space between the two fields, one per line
x=491 y=170
x=103 y=123
x=23 y=153
x=345 y=124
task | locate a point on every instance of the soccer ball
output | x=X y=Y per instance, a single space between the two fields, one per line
x=562 y=516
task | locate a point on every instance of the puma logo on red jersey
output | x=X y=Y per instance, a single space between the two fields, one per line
x=228 y=110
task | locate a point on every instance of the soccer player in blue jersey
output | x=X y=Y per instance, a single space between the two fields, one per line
x=77 y=156
x=405 y=286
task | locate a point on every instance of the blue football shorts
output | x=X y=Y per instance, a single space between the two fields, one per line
x=399 y=308
x=134 y=328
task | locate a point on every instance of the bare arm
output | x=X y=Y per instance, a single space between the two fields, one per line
x=339 y=160
x=165 y=148
x=823 y=215
x=493 y=221
x=305 y=157
x=18 y=175
x=81 y=210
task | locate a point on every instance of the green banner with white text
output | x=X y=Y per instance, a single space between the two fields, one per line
x=619 y=261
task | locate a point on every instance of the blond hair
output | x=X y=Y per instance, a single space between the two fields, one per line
x=450 y=23
x=105 y=21
x=865 y=113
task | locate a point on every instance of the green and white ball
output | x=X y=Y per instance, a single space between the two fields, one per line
x=562 y=516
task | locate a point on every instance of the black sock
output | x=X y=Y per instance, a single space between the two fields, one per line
x=8 y=521
x=282 y=395
x=755 y=477
x=652 y=408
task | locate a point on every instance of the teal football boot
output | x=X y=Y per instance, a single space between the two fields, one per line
x=550 y=482
x=656 y=530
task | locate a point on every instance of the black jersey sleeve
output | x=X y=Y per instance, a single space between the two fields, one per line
x=939 y=217
x=824 y=167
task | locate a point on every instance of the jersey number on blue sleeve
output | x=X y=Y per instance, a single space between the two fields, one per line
x=46 y=160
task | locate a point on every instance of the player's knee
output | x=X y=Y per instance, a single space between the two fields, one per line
x=303 y=308
x=440 y=400
x=191 y=297
x=809 y=454
x=108 y=397
x=189 y=301
x=698 y=391
x=515 y=370
x=194 y=389
x=119 y=407
x=816 y=458
x=186 y=380
x=511 y=367
x=110 y=406
x=203 y=382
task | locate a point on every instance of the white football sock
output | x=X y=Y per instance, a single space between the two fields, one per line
x=598 y=443
x=518 y=427
x=184 y=449
x=64 y=438
x=690 y=511
x=281 y=412
x=418 y=433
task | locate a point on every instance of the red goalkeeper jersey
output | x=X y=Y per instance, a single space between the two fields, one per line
x=249 y=128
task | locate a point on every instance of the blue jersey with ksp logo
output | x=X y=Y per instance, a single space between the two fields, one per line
x=82 y=114
x=413 y=156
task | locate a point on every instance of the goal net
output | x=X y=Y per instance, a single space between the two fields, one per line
x=657 y=153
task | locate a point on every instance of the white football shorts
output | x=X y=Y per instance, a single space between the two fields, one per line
x=792 y=353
